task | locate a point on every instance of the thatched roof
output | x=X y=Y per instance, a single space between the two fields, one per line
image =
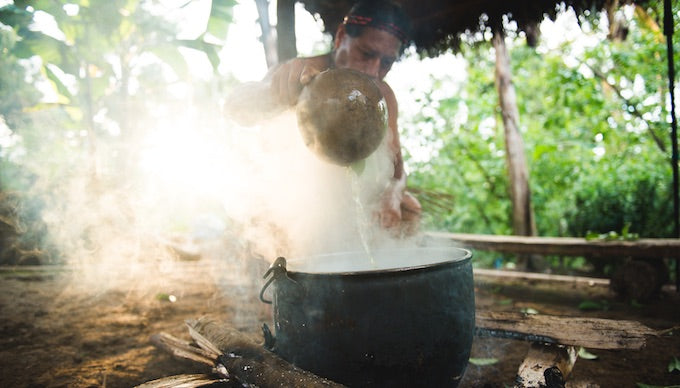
x=438 y=24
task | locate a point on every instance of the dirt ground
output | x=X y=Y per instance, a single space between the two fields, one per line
x=72 y=327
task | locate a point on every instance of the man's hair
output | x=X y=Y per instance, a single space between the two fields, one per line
x=381 y=14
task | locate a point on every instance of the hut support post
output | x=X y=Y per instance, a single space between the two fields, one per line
x=668 y=31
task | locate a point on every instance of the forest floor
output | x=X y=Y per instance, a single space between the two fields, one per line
x=66 y=327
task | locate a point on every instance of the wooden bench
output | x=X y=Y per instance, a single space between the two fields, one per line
x=629 y=276
x=565 y=246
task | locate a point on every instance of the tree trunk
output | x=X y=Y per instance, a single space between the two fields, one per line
x=618 y=30
x=268 y=38
x=522 y=214
x=285 y=30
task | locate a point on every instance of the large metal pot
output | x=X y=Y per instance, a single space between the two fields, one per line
x=384 y=326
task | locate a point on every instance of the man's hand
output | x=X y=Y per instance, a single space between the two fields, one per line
x=400 y=211
x=390 y=204
x=288 y=79
x=390 y=213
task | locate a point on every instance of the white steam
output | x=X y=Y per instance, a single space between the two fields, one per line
x=296 y=204
x=255 y=192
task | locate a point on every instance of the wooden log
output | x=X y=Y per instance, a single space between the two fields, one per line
x=567 y=246
x=247 y=360
x=546 y=366
x=595 y=333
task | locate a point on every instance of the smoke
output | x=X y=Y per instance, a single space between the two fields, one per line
x=252 y=192
x=297 y=205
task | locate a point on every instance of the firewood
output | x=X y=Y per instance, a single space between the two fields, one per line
x=546 y=366
x=184 y=381
x=247 y=360
x=183 y=349
x=594 y=333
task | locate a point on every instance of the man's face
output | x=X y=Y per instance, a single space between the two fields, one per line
x=372 y=53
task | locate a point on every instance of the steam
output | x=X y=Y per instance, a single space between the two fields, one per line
x=252 y=192
x=307 y=204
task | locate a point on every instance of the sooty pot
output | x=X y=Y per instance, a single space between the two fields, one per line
x=406 y=325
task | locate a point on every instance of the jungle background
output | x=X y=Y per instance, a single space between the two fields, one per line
x=90 y=95
x=115 y=164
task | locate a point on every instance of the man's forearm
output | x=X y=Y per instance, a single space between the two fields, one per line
x=251 y=102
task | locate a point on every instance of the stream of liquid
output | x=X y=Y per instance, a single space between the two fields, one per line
x=363 y=221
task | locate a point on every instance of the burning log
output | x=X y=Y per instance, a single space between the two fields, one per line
x=546 y=366
x=233 y=356
x=246 y=359
x=553 y=353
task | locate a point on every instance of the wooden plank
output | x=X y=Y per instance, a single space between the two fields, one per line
x=566 y=246
x=594 y=333
x=480 y=273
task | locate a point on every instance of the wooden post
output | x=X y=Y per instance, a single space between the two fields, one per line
x=268 y=38
x=285 y=30
x=523 y=223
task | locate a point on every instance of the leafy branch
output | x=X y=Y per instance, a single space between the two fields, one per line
x=631 y=104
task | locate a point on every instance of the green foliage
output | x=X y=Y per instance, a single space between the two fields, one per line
x=674 y=365
x=483 y=361
x=97 y=51
x=625 y=235
x=596 y=134
x=585 y=354
x=469 y=164
x=220 y=17
x=592 y=305
x=631 y=199
x=76 y=91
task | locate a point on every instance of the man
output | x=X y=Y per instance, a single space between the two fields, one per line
x=370 y=39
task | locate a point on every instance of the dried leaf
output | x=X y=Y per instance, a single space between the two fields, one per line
x=186 y=381
x=585 y=354
x=588 y=305
x=591 y=305
x=483 y=361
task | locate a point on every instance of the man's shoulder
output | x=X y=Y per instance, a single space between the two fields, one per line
x=321 y=62
x=386 y=90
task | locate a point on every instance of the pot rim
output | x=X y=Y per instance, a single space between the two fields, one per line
x=465 y=256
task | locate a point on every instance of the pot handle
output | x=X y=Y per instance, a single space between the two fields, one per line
x=277 y=269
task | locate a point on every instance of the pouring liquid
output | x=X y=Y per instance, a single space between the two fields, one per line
x=363 y=221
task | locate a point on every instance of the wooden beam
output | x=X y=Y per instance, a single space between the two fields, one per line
x=565 y=246
x=482 y=274
x=594 y=333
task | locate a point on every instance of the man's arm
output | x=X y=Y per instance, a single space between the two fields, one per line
x=279 y=89
x=390 y=214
